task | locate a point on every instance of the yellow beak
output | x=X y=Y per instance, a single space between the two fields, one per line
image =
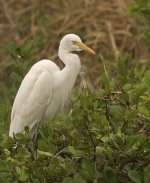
x=84 y=47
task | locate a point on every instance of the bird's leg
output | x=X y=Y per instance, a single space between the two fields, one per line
x=35 y=144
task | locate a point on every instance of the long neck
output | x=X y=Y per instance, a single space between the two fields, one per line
x=71 y=70
x=69 y=58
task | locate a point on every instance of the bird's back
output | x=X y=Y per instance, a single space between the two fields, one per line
x=33 y=96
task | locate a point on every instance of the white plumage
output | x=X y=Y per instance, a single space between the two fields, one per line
x=45 y=88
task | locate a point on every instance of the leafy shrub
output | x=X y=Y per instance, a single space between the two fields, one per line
x=104 y=138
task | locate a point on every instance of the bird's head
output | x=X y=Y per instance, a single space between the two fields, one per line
x=72 y=42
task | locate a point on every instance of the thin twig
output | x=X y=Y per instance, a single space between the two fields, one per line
x=104 y=66
x=7 y=13
x=112 y=40
x=90 y=136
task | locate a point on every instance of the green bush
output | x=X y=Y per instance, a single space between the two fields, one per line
x=104 y=138
x=142 y=9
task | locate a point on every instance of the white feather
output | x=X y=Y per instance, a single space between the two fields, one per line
x=45 y=88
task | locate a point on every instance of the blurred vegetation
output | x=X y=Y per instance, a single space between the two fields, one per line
x=142 y=9
x=103 y=25
x=105 y=136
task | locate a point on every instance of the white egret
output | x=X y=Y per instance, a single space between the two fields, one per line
x=45 y=88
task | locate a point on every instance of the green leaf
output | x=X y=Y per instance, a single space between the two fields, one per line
x=143 y=109
x=105 y=139
x=68 y=180
x=7 y=143
x=76 y=152
x=139 y=90
x=117 y=140
x=116 y=112
x=45 y=153
x=79 y=179
x=147 y=174
x=147 y=78
x=127 y=87
x=109 y=175
x=100 y=150
x=22 y=173
x=86 y=175
x=104 y=121
x=3 y=166
x=12 y=50
x=42 y=145
x=134 y=141
x=4 y=175
x=89 y=165
x=26 y=48
x=134 y=176
x=88 y=169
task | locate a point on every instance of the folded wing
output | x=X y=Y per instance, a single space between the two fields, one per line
x=31 y=101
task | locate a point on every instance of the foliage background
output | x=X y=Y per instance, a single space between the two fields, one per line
x=105 y=137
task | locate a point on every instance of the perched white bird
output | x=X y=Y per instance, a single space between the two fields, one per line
x=45 y=88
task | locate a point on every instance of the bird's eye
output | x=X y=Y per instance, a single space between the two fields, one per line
x=76 y=43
